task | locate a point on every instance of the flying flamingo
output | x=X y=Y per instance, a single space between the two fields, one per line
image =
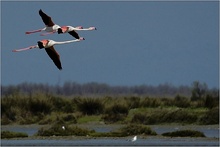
x=71 y=30
x=51 y=27
x=48 y=45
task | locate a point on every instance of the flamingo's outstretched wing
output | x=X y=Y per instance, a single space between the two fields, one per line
x=74 y=34
x=46 y=19
x=54 y=56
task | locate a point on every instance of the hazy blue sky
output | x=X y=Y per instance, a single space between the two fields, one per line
x=135 y=43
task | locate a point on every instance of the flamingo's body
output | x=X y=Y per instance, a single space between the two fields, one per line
x=71 y=30
x=48 y=45
x=51 y=27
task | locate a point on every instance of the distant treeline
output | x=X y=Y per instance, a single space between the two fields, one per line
x=99 y=89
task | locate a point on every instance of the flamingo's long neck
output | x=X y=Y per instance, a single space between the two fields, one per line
x=80 y=28
x=84 y=29
x=64 y=42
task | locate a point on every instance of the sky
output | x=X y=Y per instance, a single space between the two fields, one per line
x=135 y=43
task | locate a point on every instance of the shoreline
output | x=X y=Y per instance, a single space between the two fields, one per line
x=142 y=140
x=114 y=138
x=32 y=129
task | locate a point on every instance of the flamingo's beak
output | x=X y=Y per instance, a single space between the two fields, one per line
x=81 y=38
x=93 y=28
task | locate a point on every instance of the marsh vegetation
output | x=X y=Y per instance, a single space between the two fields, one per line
x=70 y=130
x=10 y=134
x=184 y=133
x=48 y=108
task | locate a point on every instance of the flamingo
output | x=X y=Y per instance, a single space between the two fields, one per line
x=51 y=27
x=71 y=30
x=48 y=45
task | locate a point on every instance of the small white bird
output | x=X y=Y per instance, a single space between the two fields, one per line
x=63 y=127
x=134 y=139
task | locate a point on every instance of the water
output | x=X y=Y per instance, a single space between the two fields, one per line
x=113 y=142
x=211 y=132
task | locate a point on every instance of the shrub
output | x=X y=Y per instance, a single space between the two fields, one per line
x=167 y=101
x=139 y=118
x=211 y=102
x=108 y=134
x=70 y=117
x=150 y=102
x=181 y=102
x=198 y=103
x=132 y=102
x=6 y=103
x=133 y=129
x=57 y=130
x=112 y=118
x=62 y=104
x=198 y=90
x=156 y=117
x=9 y=134
x=211 y=117
x=180 y=116
x=5 y=120
x=184 y=133
x=39 y=105
x=117 y=108
x=116 y=112
x=90 y=106
x=126 y=131
x=11 y=113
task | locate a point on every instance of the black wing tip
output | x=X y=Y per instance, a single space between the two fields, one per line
x=41 y=12
x=74 y=34
x=60 y=68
